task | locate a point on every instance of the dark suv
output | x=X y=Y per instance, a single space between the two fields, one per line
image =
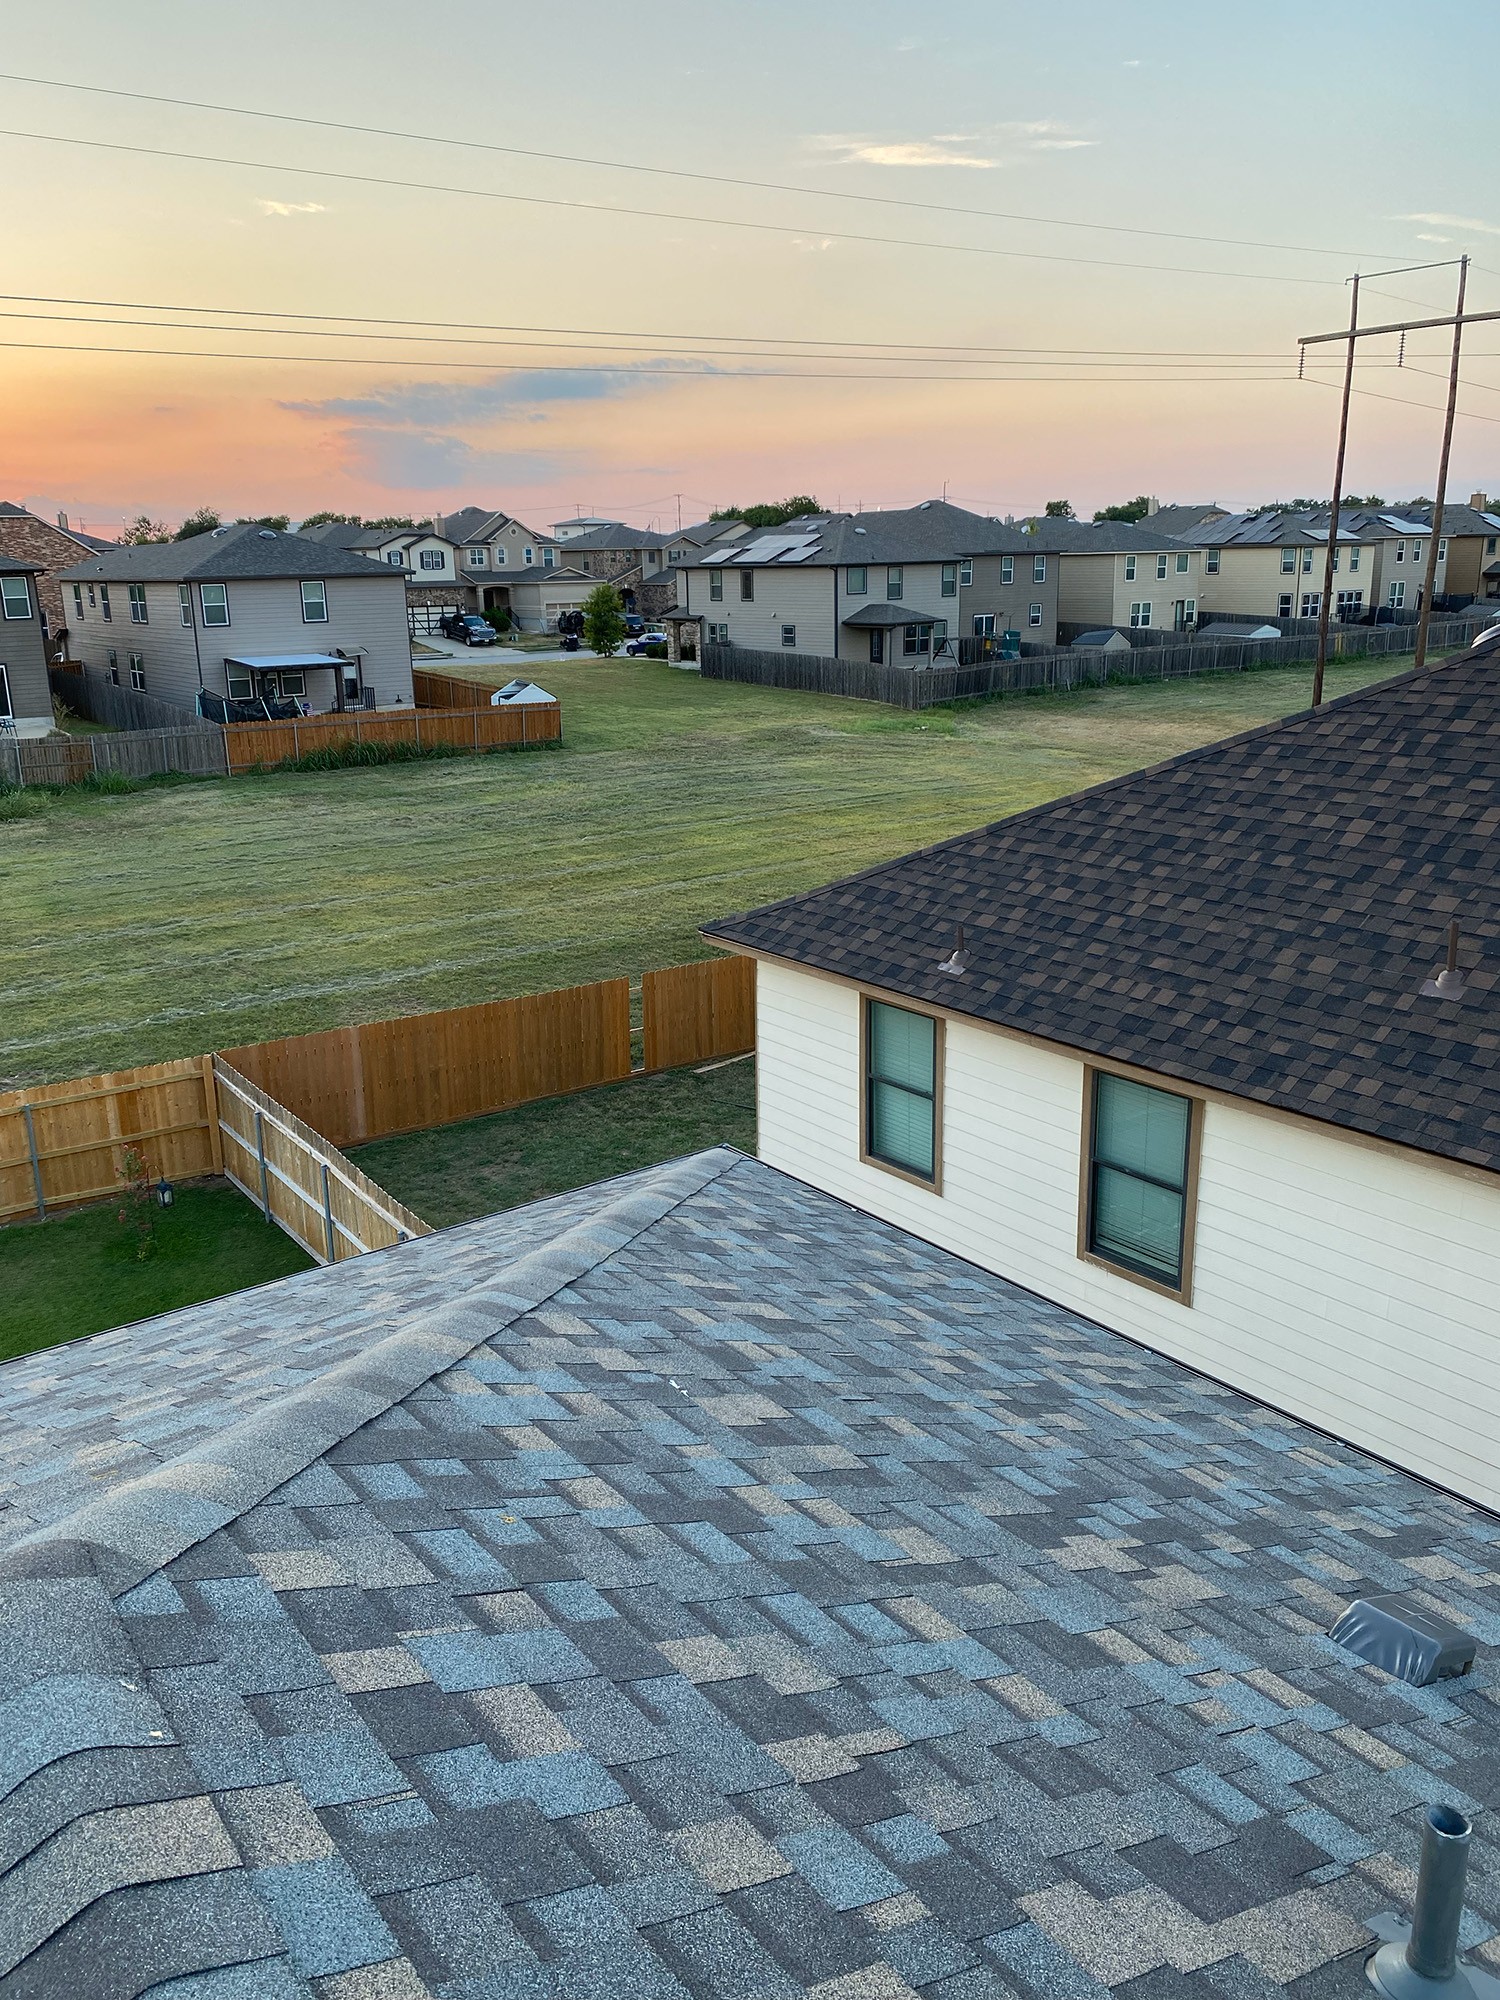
x=467 y=626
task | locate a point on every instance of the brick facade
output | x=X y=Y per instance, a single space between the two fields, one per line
x=30 y=540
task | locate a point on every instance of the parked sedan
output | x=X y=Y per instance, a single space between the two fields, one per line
x=642 y=640
x=469 y=628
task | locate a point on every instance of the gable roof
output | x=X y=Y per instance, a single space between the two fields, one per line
x=935 y=531
x=1185 y=520
x=10 y=511
x=693 y=1587
x=1094 y=538
x=617 y=535
x=1288 y=530
x=246 y=553
x=1257 y=916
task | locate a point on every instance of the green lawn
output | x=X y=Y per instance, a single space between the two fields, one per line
x=460 y=1171
x=173 y=920
x=77 y=1274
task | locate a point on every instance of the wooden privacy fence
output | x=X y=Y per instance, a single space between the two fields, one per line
x=447 y=691
x=692 y=1013
x=90 y=693
x=65 y=1143
x=368 y=1082
x=301 y=1182
x=258 y=743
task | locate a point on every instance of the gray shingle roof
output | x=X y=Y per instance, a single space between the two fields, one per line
x=242 y=552
x=1186 y=520
x=619 y=536
x=1256 y=916
x=1105 y=537
x=934 y=532
x=754 y=1601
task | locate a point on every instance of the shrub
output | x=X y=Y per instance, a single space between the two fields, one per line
x=17 y=802
x=656 y=652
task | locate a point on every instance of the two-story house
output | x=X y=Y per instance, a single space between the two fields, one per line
x=25 y=696
x=1271 y=566
x=242 y=614
x=888 y=587
x=1468 y=549
x=1125 y=573
x=51 y=549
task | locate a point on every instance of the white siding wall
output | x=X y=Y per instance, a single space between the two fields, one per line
x=803 y=598
x=1351 y=1287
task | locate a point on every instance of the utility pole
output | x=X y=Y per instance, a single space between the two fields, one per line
x=1326 y=605
x=1458 y=320
x=1441 y=493
x=679 y=513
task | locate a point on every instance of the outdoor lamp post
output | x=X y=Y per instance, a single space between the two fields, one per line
x=166 y=1194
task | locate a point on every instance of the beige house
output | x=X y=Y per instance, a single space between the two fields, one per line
x=1271 y=566
x=1126 y=574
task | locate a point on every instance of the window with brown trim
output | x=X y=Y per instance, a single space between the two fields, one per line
x=1140 y=1164
x=902 y=1087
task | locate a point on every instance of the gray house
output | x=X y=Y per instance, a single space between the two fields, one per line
x=244 y=614
x=25 y=700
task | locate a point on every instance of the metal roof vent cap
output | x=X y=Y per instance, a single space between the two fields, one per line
x=1447 y=983
x=957 y=963
x=1419 y=1960
x=266 y=535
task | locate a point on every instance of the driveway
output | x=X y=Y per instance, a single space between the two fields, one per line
x=508 y=655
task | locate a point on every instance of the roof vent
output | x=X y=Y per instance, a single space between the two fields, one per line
x=1401 y=1637
x=1447 y=983
x=924 y=506
x=861 y=531
x=266 y=535
x=957 y=963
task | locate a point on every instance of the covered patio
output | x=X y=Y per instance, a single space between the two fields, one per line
x=896 y=632
x=279 y=683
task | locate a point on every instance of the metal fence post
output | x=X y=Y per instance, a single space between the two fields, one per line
x=328 y=1217
x=260 y=1154
x=36 y=1165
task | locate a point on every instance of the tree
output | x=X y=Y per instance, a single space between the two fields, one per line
x=603 y=621
x=1060 y=510
x=769 y=513
x=393 y=521
x=1127 y=510
x=143 y=530
x=280 y=522
x=202 y=523
x=317 y=520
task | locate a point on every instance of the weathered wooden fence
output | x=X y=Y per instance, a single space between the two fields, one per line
x=301 y=1182
x=65 y=1143
x=692 y=1013
x=920 y=687
x=253 y=744
x=141 y=753
x=91 y=694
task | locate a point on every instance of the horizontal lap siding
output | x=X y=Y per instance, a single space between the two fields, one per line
x=1348 y=1286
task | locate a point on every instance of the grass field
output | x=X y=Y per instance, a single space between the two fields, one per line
x=173 y=920
x=79 y=1274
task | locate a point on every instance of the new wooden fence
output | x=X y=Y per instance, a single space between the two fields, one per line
x=918 y=687
x=301 y=1182
x=448 y=691
x=693 y=1013
x=65 y=1143
x=252 y=744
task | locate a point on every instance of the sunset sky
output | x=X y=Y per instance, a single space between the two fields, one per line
x=740 y=342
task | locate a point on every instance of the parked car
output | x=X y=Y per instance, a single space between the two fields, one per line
x=635 y=624
x=639 y=641
x=468 y=627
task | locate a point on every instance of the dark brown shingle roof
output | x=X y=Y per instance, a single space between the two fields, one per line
x=1257 y=916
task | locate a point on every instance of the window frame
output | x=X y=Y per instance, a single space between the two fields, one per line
x=716 y=586
x=315 y=583
x=895 y=583
x=1033 y=614
x=789 y=635
x=213 y=624
x=1211 y=560
x=1130 y=569
x=916 y=640
x=104 y=605
x=20 y=577
x=984 y=624
x=862 y=571
x=1161 y=564
x=78 y=602
x=112 y=666
x=137 y=663
x=528 y=558
x=747 y=586
x=7 y=704
x=432 y=560
x=718 y=634
x=1182 y=1291
x=1183 y=562
x=185 y=604
x=136 y=596
x=1039 y=569
x=965 y=572
x=1288 y=562
x=477 y=557
x=934 y=1182
x=1354 y=559
x=1007 y=569
x=948 y=586
x=1140 y=615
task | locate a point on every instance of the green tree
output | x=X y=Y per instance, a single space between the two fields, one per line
x=1127 y=510
x=317 y=520
x=769 y=513
x=280 y=522
x=396 y=521
x=1059 y=510
x=143 y=530
x=603 y=621
x=202 y=523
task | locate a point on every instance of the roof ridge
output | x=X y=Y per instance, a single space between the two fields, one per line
x=878 y=868
x=135 y=1530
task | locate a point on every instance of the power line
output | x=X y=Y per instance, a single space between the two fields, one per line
x=614 y=209
x=679 y=173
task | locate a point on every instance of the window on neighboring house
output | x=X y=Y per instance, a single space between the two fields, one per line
x=213 y=601
x=238 y=684
x=528 y=556
x=1350 y=603
x=747 y=586
x=1397 y=596
x=431 y=559
x=1311 y=603
x=92 y=599
x=1182 y=563
x=859 y=581
x=902 y=1053
x=138 y=672
x=1336 y=554
x=1140 y=1162
x=877 y=647
x=1130 y=569
x=1288 y=562
x=5 y=702
x=1039 y=569
x=1007 y=569
x=137 y=594
x=477 y=558
x=895 y=582
x=1401 y=552
x=1354 y=559
x=1490 y=544
x=15 y=596
x=674 y=555
x=984 y=624
x=104 y=600
x=500 y=558
x=716 y=586
x=78 y=601
x=1307 y=561
x=965 y=572
x=1442 y=552
x=314 y=603
x=185 y=603
x=788 y=635
x=916 y=638
x=396 y=557
x=1284 y=605
x=1416 y=552
x=950 y=580
x=1211 y=562
x=1033 y=614
x=718 y=635
x=112 y=666
x=293 y=683
x=1161 y=565
x=1140 y=614
x=549 y=558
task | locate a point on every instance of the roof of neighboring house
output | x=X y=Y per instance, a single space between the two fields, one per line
x=935 y=531
x=1226 y=629
x=1280 y=530
x=246 y=552
x=343 y=535
x=693 y=1586
x=1097 y=538
x=1457 y=520
x=13 y=565
x=884 y=614
x=1185 y=520
x=1106 y=635
x=1256 y=916
x=704 y=533
x=533 y=573
x=8 y=508
x=617 y=535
